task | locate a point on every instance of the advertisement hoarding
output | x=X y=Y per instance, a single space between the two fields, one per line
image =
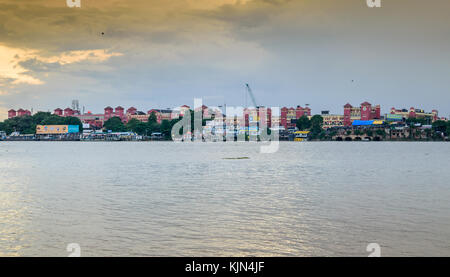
x=394 y=117
x=56 y=129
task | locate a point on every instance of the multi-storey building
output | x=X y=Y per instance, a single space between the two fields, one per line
x=364 y=112
x=133 y=113
x=289 y=116
x=58 y=112
x=69 y=112
x=161 y=114
x=118 y=112
x=332 y=120
x=12 y=113
x=21 y=112
x=416 y=113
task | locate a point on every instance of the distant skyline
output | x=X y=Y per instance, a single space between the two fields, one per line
x=159 y=53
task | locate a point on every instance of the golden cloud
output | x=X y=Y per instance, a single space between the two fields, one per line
x=12 y=70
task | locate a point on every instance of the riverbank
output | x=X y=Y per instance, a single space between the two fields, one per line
x=162 y=140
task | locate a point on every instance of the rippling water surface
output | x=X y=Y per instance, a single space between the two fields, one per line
x=187 y=199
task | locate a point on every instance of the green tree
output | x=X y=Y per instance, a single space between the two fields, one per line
x=70 y=120
x=152 y=124
x=317 y=120
x=166 y=128
x=53 y=120
x=39 y=117
x=322 y=135
x=303 y=123
x=316 y=126
x=381 y=132
x=22 y=124
x=114 y=124
x=422 y=121
x=141 y=128
x=27 y=124
x=440 y=126
x=152 y=119
x=136 y=126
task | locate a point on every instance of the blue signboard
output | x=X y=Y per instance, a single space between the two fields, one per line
x=394 y=117
x=74 y=129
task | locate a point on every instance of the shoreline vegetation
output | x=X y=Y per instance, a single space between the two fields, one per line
x=414 y=129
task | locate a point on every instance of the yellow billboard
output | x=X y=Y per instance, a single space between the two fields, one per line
x=52 y=129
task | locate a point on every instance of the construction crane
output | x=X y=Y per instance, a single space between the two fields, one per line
x=249 y=90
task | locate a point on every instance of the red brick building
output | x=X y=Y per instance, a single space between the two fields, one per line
x=160 y=114
x=109 y=112
x=21 y=112
x=68 y=112
x=289 y=116
x=364 y=112
x=58 y=112
x=12 y=113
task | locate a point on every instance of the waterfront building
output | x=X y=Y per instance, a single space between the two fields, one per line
x=205 y=111
x=163 y=114
x=364 y=112
x=21 y=112
x=12 y=113
x=132 y=111
x=183 y=109
x=119 y=112
x=415 y=113
x=58 y=112
x=141 y=116
x=332 y=120
x=109 y=113
x=68 y=112
x=94 y=120
x=289 y=116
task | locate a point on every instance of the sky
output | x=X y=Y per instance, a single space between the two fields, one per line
x=161 y=54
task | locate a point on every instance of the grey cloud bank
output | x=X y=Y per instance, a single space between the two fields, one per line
x=292 y=52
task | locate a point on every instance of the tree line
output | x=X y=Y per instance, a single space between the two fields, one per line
x=314 y=125
x=27 y=124
x=438 y=129
x=115 y=124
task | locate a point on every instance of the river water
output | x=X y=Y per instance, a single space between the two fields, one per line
x=189 y=199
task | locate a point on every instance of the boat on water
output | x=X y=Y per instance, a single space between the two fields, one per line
x=301 y=135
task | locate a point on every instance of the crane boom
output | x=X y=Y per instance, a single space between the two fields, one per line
x=249 y=90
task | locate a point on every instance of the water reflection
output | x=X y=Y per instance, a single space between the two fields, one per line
x=165 y=199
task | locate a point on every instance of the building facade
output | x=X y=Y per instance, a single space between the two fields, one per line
x=289 y=116
x=21 y=112
x=364 y=112
x=332 y=120
x=416 y=113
